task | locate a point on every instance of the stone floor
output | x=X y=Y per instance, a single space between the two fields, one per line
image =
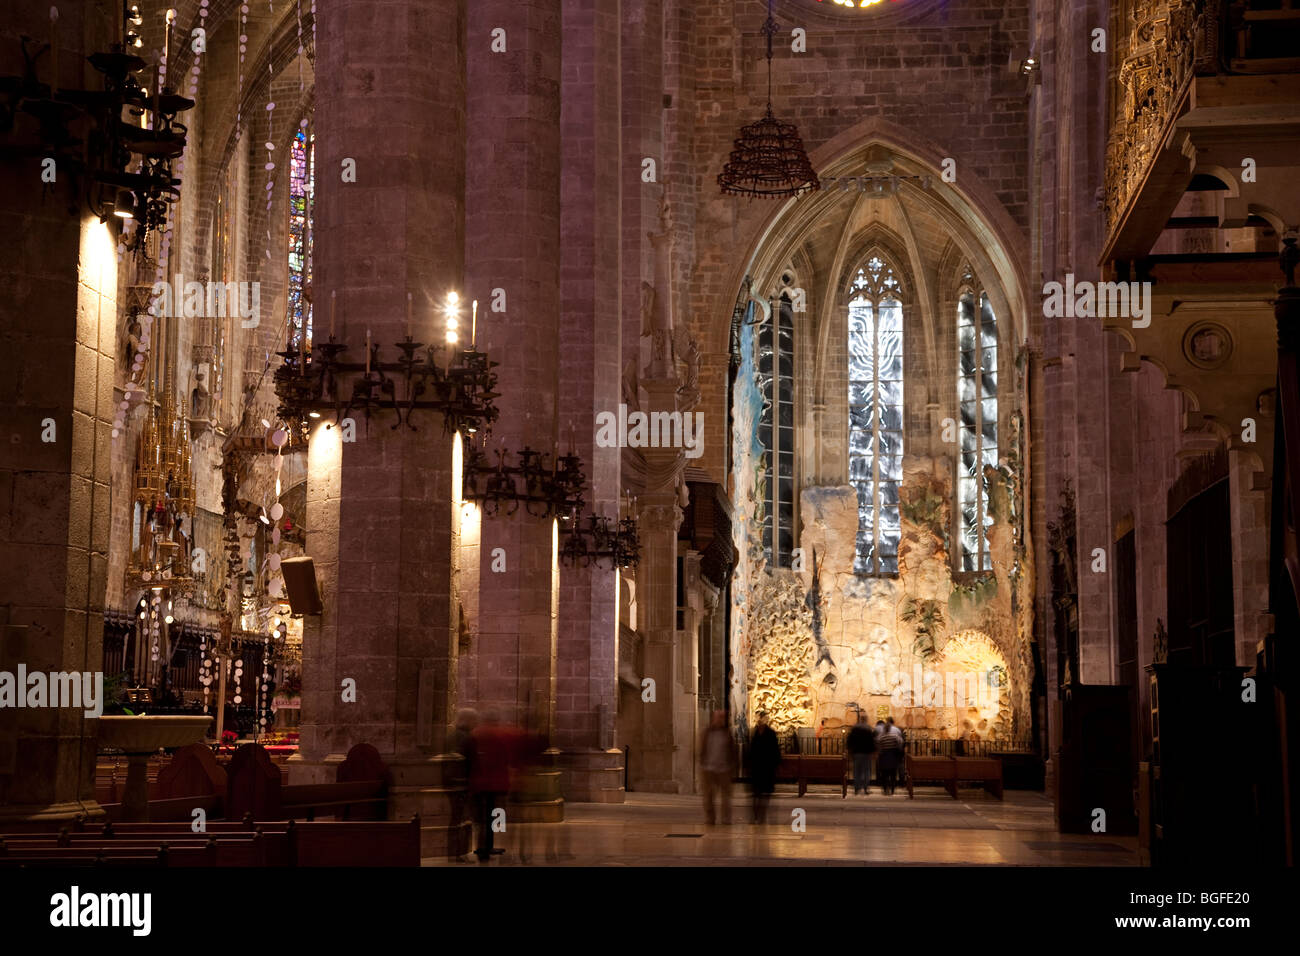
x=933 y=829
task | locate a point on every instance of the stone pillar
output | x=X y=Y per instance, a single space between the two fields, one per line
x=512 y=247
x=662 y=767
x=59 y=267
x=668 y=732
x=380 y=509
x=590 y=383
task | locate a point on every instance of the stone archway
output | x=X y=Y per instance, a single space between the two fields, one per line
x=824 y=644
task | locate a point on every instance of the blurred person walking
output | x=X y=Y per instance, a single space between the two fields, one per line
x=764 y=758
x=463 y=744
x=717 y=766
x=494 y=748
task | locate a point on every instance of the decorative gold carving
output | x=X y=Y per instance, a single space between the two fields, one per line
x=164 y=493
x=1166 y=44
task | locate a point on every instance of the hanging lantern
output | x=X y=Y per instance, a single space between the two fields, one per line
x=769 y=158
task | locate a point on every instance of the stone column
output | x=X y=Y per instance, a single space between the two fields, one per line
x=59 y=267
x=380 y=510
x=660 y=764
x=590 y=383
x=513 y=268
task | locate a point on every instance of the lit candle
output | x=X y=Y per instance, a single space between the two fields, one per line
x=473 y=327
x=167 y=49
x=54 y=51
x=408 y=315
x=333 y=296
x=367 y=351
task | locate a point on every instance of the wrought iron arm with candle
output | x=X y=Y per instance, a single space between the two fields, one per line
x=84 y=130
x=462 y=389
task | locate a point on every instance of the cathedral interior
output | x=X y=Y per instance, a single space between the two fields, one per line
x=377 y=372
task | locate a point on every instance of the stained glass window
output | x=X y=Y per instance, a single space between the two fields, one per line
x=876 y=413
x=776 y=431
x=977 y=395
x=302 y=157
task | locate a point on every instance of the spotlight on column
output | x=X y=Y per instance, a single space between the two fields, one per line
x=300 y=583
x=124 y=205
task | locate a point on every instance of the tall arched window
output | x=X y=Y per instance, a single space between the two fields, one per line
x=875 y=341
x=776 y=431
x=977 y=395
x=302 y=155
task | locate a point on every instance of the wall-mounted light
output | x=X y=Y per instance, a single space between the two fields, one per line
x=1029 y=66
x=124 y=204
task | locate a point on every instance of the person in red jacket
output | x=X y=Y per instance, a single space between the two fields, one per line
x=492 y=751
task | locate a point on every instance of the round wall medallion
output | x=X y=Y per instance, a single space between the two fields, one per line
x=1207 y=345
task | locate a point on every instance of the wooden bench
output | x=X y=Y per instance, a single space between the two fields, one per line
x=815 y=768
x=175 y=848
x=356 y=800
x=282 y=843
x=359 y=793
x=380 y=843
x=952 y=771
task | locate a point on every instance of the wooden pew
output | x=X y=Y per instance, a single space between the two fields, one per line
x=173 y=849
x=804 y=768
x=362 y=798
x=983 y=770
x=279 y=843
x=333 y=843
x=951 y=771
x=940 y=770
x=359 y=793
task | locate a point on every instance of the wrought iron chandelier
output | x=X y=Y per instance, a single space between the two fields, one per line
x=601 y=539
x=769 y=158
x=85 y=131
x=313 y=379
x=546 y=490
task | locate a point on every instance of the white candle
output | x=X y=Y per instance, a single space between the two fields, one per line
x=333 y=295
x=367 y=351
x=54 y=51
x=473 y=327
x=408 y=315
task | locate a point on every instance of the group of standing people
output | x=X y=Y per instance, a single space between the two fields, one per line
x=881 y=748
x=884 y=746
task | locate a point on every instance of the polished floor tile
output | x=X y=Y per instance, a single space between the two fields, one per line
x=932 y=829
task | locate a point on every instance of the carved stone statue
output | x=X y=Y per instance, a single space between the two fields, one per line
x=656 y=300
x=200 y=399
x=133 y=333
